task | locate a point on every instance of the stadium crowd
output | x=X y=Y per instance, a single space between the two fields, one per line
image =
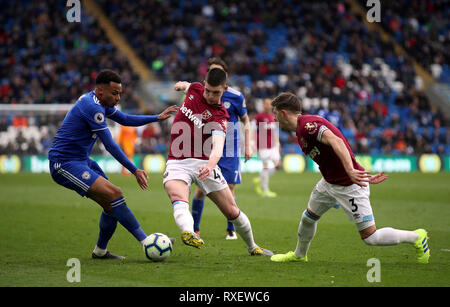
x=422 y=28
x=319 y=50
x=46 y=59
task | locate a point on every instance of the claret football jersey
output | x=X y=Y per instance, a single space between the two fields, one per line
x=266 y=126
x=194 y=124
x=309 y=134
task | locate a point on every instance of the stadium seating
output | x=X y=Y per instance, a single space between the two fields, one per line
x=316 y=49
x=46 y=59
x=320 y=50
x=423 y=29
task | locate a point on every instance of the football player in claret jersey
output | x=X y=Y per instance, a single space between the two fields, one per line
x=344 y=181
x=268 y=145
x=71 y=167
x=229 y=164
x=197 y=139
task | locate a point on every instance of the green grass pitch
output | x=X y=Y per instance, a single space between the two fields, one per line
x=42 y=225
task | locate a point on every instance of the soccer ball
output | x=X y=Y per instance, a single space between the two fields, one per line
x=157 y=247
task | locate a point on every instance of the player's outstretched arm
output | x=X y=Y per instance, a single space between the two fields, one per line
x=168 y=112
x=140 y=120
x=361 y=178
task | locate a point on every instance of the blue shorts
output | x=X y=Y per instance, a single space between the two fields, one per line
x=76 y=175
x=230 y=168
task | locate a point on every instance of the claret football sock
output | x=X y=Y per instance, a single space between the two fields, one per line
x=127 y=219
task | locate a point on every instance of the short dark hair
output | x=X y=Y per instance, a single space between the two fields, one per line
x=217 y=61
x=106 y=76
x=287 y=101
x=216 y=77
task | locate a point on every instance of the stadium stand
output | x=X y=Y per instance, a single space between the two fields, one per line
x=423 y=29
x=47 y=60
x=320 y=50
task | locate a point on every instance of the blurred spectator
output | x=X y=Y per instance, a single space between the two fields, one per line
x=20 y=121
x=127 y=140
x=3 y=123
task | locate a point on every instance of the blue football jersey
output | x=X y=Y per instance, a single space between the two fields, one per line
x=77 y=134
x=234 y=102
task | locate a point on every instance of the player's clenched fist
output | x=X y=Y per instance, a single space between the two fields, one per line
x=181 y=86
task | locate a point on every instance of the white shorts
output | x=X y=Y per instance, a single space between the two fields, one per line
x=187 y=171
x=353 y=199
x=270 y=154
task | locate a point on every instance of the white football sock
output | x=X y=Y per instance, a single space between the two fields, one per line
x=390 y=236
x=306 y=232
x=264 y=177
x=271 y=171
x=244 y=229
x=182 y=216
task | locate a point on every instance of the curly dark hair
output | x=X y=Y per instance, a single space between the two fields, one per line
x=106 y=76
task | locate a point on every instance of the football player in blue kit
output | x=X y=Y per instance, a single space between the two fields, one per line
x=71 y=167
x=229 y=164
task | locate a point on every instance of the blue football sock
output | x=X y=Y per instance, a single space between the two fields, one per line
x=127 y=219
x=108 y=225
x=197 y=209
x=230 y=226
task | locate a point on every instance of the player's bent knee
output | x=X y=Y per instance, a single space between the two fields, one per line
x=309 y=217
x=104 y=190
x=229 y=209
x=177 y=190
x=115 y=192
x=232 y=214
x=175 y=196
